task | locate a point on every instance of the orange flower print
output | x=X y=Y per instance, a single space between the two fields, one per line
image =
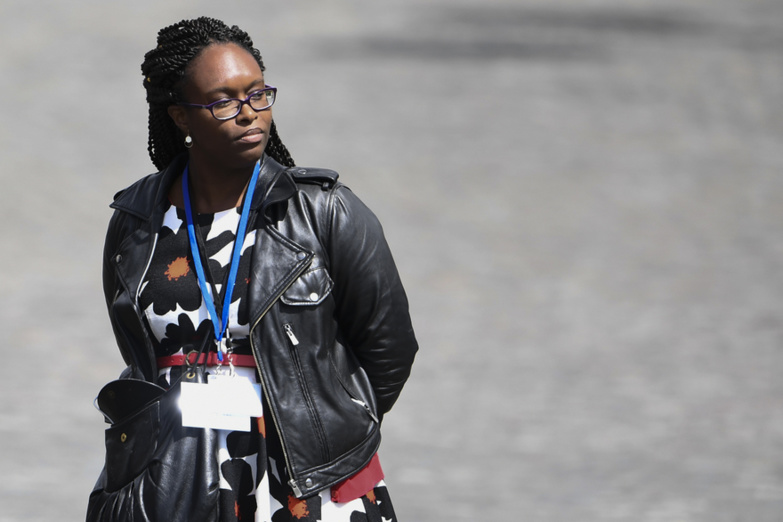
x=177 y=268
x=297 y=507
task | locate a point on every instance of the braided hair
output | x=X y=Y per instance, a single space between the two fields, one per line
x=164 y=69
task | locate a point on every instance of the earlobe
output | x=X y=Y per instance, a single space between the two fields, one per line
x=177 y=114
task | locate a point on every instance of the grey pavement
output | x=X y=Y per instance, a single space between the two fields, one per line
x=583 y=197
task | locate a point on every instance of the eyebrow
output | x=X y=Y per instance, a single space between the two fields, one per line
x=224 y=90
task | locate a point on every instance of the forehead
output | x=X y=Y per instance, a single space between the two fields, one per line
x=224 y=65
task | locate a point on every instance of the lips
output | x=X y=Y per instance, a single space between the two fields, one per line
x=254 y=135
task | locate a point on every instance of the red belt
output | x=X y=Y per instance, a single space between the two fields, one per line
x=211 y=359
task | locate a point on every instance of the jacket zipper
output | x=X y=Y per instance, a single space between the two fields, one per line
x=367 y=409
x=150 y=349
x=286 y=457
x=289 y=331
x=305 y=389
x=146 y=269
x=358 y=401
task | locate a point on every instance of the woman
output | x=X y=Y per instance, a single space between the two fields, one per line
x=309 y=305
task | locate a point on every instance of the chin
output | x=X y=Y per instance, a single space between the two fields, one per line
x=251 y=154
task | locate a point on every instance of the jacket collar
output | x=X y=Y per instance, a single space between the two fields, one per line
x=149 y=194
x=274 y=185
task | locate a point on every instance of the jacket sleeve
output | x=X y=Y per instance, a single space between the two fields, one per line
x=372 y=308
x=109 y=250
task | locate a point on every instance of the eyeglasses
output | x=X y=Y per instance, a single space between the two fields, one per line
x=228 y=108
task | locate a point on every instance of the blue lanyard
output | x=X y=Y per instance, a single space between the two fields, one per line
x=219 y=322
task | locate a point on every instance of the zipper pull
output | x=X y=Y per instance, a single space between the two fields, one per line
x=367 y=408
x=290 y=333
x=294 y=485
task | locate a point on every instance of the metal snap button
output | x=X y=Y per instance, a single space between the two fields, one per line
x=309 y=483
x=314 y=297
x=123 y=437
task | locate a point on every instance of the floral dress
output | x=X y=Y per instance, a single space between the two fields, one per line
x=253 y=478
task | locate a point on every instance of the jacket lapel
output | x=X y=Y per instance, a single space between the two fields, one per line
x=277 y=262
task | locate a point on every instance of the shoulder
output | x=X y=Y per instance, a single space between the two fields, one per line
x=141 y=198
x=325 y=178
x=318 y=194
x=321 y=189
x=339 y=209
x=315 y=187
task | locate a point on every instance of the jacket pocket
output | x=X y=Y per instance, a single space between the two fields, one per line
x=311 y=288
x=157 y=469
x=133 y=409
x=353 y=381
x=130 y=446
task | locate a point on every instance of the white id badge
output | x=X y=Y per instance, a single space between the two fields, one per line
x=225 y=403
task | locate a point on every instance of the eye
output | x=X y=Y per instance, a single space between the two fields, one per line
x=258 y=95
x=222 y=104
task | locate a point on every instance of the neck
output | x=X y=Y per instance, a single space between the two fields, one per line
x=212 y=189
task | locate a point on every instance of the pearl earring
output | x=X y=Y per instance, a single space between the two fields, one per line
x=188 y=141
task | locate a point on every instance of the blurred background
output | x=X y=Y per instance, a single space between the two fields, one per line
x=583 y=198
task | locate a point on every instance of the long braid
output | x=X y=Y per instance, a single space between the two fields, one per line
x=276 y=149
x=166 y=66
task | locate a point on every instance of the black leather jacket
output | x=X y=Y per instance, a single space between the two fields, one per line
x=321 y=269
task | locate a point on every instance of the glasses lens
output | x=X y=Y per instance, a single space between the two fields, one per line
x=226 y=110
x=262 y=99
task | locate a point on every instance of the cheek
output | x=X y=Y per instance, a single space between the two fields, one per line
x=203 y=127
x=266 y=117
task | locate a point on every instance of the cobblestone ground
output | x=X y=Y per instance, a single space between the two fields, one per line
x=583 y=198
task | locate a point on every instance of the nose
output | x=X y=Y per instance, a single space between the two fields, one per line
x=246 y=112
